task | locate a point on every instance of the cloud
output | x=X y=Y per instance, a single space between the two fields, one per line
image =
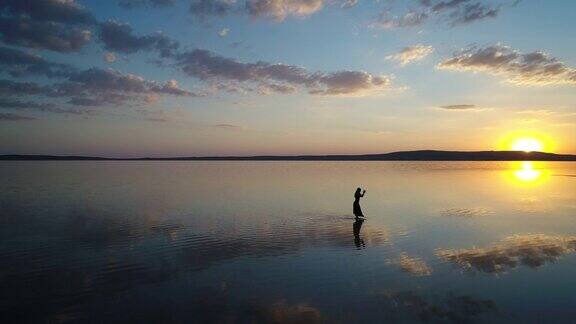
x=277 y=77
x=129 y=4
x=266 y=89
x=236 y=44
x=119 y=37
x=65 y=26
x=227 y=126
x=463 y=11
x=544 y=112
x=55 y=25
x=411 y=54
x=14 y=117
x=528 y=250
x=17 y=104
x=85 y=88
x=157 y=119
x=203 y=8
x=23 y=31
x=453 y=12
x=350 y=82
x=349 y=3
x=96 y=87
x=459 y=107
x=208 y=65
x=100 y=80
x=89 y=102
x=64 y=11
x=410 y=19
x=274 y=9
x=172 y=87
x=13 y=88
x=442 y=5
x=472 y=12
x=280 y=9
x=19 y=63
x=45 y=107
x=109 y=57
x=414 y=266
x=533 y=68
x=223 y=32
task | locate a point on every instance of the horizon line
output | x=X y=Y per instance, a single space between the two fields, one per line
x=416 y=155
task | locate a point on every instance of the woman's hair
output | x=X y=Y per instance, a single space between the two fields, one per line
x=358 y=189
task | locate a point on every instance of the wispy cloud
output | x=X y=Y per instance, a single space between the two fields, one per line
x=19 y=63
x=463 y=11
x=277 y=10
x=223 y=32
x=119 y=37
x=533 y=68
x=280 y=9
x=277 y=77
x=411 y=54
x=459 y=107
x=452 y=12
x=129 y=4
x=14 y=117
x=409 y=19
x=227 y=126
x=93 y=87
x=349 y=3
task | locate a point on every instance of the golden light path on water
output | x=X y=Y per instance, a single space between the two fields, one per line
x=528 y=172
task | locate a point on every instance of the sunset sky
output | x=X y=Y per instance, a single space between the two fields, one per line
x=244 y=77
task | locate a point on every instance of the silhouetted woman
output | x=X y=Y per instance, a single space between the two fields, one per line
x=356 y=205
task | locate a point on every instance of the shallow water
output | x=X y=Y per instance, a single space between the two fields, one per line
x=274 y=242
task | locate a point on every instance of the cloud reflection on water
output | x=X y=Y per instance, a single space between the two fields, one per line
x=410 y=307
x=100 y=254
x=465 y=212
x=412 y=265
x=77 y=238
x=533 y=250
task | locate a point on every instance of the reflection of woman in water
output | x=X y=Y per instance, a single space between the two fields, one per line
x=358 y=241
x=356 y=205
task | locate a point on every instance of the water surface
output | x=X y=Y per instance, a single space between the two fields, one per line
x=245 y=242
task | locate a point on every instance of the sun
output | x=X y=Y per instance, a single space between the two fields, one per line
x=526 y=141
x=527 y=144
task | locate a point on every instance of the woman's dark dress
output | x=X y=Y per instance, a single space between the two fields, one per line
x=356 y=206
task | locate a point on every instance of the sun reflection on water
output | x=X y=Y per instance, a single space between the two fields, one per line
x=528 y=172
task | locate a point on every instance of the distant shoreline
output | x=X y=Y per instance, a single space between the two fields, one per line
x=424 y=155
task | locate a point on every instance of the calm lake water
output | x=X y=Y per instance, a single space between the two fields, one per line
x=251 y=242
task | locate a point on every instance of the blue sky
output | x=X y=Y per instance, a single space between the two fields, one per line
x=285 y=76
